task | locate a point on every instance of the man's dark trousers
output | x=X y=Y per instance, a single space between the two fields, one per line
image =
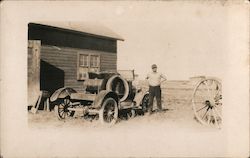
x=154 y=91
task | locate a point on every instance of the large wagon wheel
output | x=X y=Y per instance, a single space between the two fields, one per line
x=109 y=112
x=206 y=102
x=62 y=111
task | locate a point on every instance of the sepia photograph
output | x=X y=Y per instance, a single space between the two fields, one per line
x=125 y=79
x=72 y=69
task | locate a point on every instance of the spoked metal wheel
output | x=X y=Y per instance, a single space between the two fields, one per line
x=62 y=111
x=206 y=102
x=109 y=112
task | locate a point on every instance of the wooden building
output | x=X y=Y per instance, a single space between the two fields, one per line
x=61 y=55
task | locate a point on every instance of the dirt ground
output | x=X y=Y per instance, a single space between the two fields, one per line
x=177 y=101
x=172 y=133
x=175 y=114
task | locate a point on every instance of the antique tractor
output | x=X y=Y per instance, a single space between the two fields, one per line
x=104 y=96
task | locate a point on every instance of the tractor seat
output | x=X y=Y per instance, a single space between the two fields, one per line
x=93 y=85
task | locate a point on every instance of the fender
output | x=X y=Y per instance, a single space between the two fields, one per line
x=62 y=93
x=102 y=96
x=139 y=97
x=145 y=93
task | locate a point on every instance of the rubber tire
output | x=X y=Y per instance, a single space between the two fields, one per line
x=125 y=83
x=101 y=112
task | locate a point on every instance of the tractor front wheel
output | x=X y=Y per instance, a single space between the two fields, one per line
x=61 y=110
x=109 y=112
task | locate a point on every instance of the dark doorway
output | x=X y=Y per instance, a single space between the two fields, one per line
x=51 y=77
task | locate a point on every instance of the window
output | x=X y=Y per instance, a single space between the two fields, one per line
x=94 y=61
x=87 y=62
x=83 y=60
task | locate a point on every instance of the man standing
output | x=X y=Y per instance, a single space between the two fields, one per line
x=154 y=80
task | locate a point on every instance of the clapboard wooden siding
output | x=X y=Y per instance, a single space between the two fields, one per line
x=62 y=49
x=108 y=62
x=65 y=59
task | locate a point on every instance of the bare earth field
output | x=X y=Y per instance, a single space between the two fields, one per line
x=174 y=132
x=177 y=114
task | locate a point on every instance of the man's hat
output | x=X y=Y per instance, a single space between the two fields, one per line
x=154 y=66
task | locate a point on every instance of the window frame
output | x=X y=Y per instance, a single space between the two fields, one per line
x=97 y=60
x=78 y=60
x=88 y=66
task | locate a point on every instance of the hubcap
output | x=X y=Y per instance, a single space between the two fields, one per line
x=208 y=104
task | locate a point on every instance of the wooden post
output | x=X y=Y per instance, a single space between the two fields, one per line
x=34 y=48
x=38 y=102
x=47 y=100
x=46 y=105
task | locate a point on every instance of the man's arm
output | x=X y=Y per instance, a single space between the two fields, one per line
x=163 y=77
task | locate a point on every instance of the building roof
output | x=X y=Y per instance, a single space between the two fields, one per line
x=92 y=29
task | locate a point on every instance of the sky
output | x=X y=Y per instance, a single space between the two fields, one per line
x=184 y=38
x=184 y=41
